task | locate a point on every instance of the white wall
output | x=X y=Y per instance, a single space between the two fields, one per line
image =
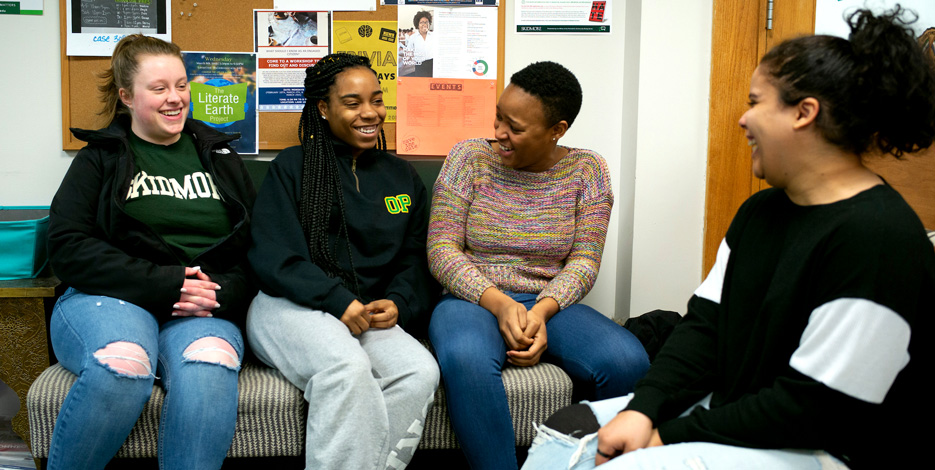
x=645 y=110
x=671 y=149
x=32 y=162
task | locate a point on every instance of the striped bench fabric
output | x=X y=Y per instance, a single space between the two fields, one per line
x=271 y=411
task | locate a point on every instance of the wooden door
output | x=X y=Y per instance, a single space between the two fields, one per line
x=740 y=38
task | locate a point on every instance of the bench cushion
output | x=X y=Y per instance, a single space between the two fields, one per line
x=271 y=412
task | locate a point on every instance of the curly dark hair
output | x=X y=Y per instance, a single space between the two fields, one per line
x=876 y=88
x=321 y=182
x=555 y=86
x=421 y=14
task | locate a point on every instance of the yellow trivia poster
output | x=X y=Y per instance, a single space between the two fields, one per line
x=376 y=40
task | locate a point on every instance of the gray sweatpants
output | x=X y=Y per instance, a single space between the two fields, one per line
x=368 y=395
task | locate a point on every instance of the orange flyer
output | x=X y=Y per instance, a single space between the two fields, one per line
x=437 y=113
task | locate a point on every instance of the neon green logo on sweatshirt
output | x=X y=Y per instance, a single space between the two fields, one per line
x=397 y=204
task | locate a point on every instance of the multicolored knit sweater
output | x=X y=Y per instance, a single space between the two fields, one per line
x=493 y=226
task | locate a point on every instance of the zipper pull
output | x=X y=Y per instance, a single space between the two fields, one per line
x=354 y=171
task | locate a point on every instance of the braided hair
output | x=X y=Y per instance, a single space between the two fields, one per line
x=321 y=182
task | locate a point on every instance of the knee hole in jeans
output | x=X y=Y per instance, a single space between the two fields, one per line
x=125 y=358
x=212 y=350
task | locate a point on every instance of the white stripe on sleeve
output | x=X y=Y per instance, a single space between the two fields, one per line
x=713 y=284
x=854 y=346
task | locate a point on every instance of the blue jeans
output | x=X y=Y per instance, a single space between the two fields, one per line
x=471 y=353
x=552 y=450
x=197 y=422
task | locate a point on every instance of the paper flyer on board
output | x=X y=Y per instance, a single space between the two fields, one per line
x=562 y=16
x=458 y=42
x=377 y=41
x=437 y=113
x=332 y=5
x=489 y=3
x=447 y=65
x=830 y=15
x=287 y=42
x=23 y=7
x=94 y=27
x=223 y=94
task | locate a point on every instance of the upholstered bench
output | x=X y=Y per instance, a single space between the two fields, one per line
x=271 y=412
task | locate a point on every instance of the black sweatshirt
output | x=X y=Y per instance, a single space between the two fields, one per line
x=97 y=248
x=802 y=333
x=386 y=222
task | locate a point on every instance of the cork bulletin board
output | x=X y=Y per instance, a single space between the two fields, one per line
x=214 y=25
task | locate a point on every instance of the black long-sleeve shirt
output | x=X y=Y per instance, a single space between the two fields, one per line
x=96 y=247
x=801 y=333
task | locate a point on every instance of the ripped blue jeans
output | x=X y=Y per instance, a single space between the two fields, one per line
x=117 y=350
x=553 y=450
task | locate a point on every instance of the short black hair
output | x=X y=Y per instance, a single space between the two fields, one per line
x=876 y=88
x=421 y=14
x=555 y=86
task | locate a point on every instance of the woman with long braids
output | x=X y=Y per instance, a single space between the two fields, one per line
x=339 y=252
x=807 y=346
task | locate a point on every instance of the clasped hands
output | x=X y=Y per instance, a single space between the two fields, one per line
x=377 y=314
x=523 y=330
x=199 y=295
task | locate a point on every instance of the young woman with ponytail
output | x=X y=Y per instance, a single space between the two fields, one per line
x=339 y=252
x=150 y=230
x=805 y=347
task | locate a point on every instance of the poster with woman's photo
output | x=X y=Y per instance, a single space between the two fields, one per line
x=286 y=43
x=456 y=42
x=417 y=42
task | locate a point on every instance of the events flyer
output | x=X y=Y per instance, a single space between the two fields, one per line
x=436 y=113
x=223 y=94
x=377 y=41
x=288 y=42
x=23 y=7
x=94 y=27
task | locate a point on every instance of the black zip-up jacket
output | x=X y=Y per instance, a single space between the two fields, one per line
x=387 y=219
x=97 y=248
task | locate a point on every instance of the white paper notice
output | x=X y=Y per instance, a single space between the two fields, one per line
x=458 y=42
x=333 y=5
x=562 y=16
x=96 y=26
x=287 y=42
x=830 y=14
